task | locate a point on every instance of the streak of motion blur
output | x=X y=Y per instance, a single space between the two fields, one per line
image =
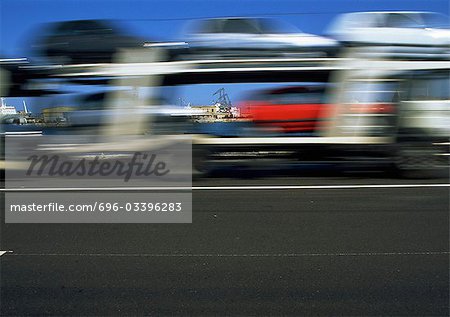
x=375 y=93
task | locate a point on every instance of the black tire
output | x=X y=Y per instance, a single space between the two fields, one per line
x=418 y=158
x=200 y=162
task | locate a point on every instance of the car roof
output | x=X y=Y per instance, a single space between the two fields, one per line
x=369 y=18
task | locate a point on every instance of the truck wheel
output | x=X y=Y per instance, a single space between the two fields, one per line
x=200 y=162
x=419 y=159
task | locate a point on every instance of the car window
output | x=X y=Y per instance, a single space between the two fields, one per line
x=93 y=102
x=296 y=98
x=396 y=20
x=81 y=27
x=65 y=29
x=430 y=88
x=274 y=26
x=240 y=26
x=209 y=26
x=371 y=92
x=432 y=20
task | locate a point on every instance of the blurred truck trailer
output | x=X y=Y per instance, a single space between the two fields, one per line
x=389 y=112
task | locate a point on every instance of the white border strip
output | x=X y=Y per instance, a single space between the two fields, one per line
x=275 y=187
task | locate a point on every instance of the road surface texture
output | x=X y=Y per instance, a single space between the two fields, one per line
x=298 y=246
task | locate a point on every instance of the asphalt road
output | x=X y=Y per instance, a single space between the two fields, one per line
x=249 y=251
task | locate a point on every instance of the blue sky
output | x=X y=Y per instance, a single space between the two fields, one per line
x=164 y=19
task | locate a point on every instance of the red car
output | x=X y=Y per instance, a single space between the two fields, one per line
x=292 y=109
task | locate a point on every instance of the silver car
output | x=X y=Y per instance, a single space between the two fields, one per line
x=255 y=37
x=405 y=34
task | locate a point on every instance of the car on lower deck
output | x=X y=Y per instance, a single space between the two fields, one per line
x=298 y=109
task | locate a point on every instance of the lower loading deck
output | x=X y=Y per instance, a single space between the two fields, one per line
x=379 y=153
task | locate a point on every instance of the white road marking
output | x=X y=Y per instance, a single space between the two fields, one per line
x=244 y=255
x=280 y=187
x=257 y=187
x=3 y=252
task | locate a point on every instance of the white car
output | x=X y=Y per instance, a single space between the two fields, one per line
x=400 y=34
x=253 y=37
